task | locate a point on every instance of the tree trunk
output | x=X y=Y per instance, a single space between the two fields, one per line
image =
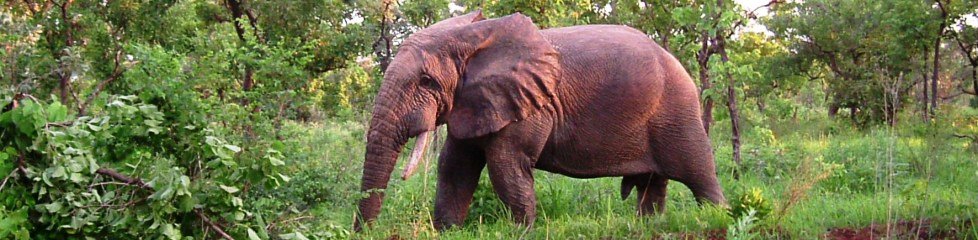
x=382 y=46
x=937 y=59
x=734 y=117
x=924 y=98
x=974 y=78
x=63 y=82
x=852 y=114
x=64 y=77
x=665 y=42
x=731 y=101
x=239 y=12
x=934 y=79
x=237 y=15
x=703 y=59
x=833 y=110
x=761 y=106
x=247 y=85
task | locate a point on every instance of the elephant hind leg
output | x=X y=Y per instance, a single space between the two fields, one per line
x=683 y=153
x=651 y=192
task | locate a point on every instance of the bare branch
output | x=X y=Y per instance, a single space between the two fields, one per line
x=751 y=16
x=212 y=224
x=969 y=92
x=59 y=124
x=126 y=179
x=4 y=183
x=973 y=138
x=116 y=73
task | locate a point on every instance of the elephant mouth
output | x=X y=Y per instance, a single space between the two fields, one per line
x=417 y=155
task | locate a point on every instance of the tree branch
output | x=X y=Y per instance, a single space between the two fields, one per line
x=969 y=92
x=123 y=178
x=116 y=73
x=750 y=16
x=139 y=183
x=4 y=183
x=382 y=55
x=65 y=71
x=30 y=7
x=212 y=224
x=954 y=95
x=238 y=12
x=253 y=21
x=965 y=136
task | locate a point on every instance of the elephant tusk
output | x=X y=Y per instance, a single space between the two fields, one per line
x=417 y=155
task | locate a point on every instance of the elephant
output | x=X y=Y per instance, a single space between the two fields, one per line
x=583 y=101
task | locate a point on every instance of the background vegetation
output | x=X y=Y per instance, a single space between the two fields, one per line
x=201 y=119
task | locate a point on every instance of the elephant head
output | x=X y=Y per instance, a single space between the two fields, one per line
x=474 y=74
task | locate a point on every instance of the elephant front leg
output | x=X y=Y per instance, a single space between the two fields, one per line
x=513 y=182
x=510 y=156
x=459 y=169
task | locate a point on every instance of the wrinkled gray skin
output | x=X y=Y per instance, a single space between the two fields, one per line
x=584 y=101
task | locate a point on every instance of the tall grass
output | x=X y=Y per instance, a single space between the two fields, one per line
x=819 y=174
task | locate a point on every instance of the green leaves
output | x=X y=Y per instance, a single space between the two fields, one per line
x=170 y=232
x=751 y=200
x=686 y=15
x=28 y=118
x=293 y=236
x=161 y=85
x=12 y=224
x=72 y=196
x=230 y=190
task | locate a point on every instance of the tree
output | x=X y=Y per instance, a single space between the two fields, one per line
x=724 y=19
x=654 y=17
x=865 y=45
x=546 y=14
x=422 y=14
x=966 y=39
x=127 y=114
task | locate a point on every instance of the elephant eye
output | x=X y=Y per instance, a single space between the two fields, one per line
x=428 y=82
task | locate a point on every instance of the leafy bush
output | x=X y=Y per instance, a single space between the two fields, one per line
x=741 y=228
x=109 y=174
x=751 y=202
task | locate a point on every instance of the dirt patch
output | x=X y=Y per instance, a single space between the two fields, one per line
x=919 y=229
x=716 y=234
x=897 y=230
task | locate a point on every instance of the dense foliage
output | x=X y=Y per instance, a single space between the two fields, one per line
x=197 y=119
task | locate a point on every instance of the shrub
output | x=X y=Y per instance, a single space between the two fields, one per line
x=750 y=202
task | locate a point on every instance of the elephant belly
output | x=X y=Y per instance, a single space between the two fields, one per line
x=583 y=154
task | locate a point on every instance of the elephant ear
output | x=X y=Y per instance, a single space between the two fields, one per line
x=510 y=76
x=457 y=21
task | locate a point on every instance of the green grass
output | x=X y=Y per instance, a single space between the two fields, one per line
x=879 y=175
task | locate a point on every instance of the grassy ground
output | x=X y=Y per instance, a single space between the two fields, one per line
x=815 y=179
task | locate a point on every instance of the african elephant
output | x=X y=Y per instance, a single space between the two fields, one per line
x=583 y=101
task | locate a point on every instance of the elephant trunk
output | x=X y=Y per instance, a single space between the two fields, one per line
x=384 y=143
